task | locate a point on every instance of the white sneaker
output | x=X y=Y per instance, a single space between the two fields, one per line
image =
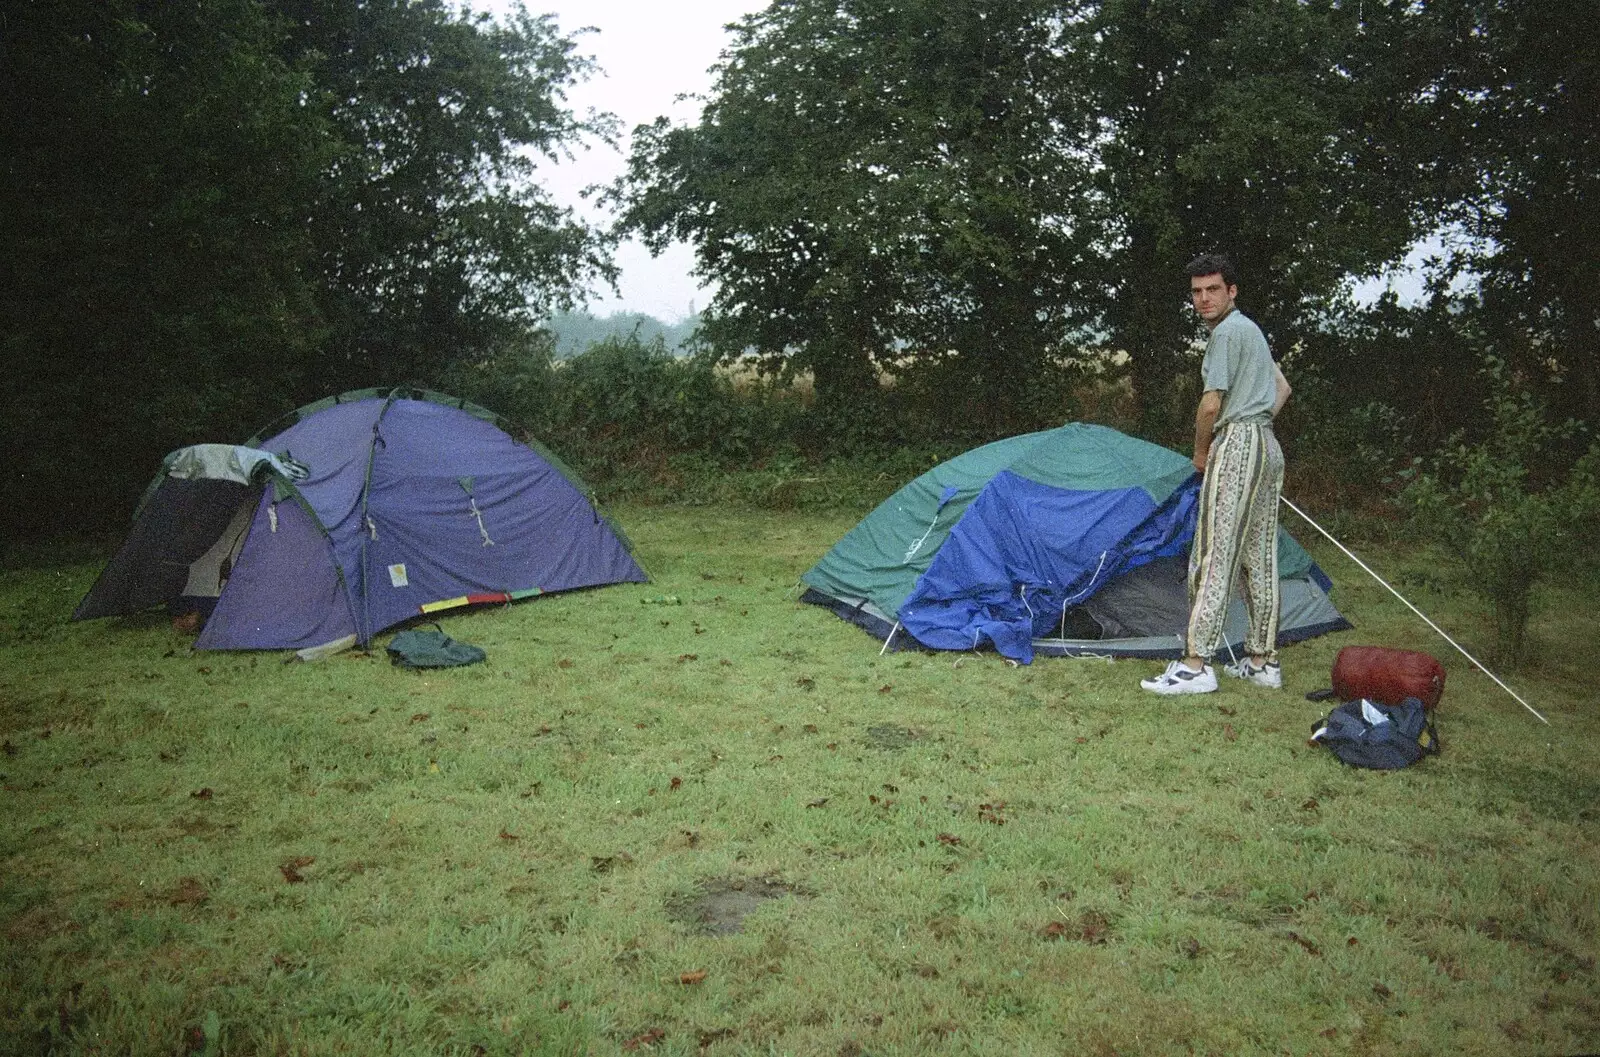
x=1181 y=679
x=1269 y=675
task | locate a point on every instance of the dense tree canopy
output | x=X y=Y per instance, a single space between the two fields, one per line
x=431 y=232
x=1521 y=94
x=1290 y=135
x=213 y=210
x=874 y=175
x=1000 y=178
x=155 y=177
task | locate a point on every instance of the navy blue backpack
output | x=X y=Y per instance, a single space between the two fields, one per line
x=1387 y=737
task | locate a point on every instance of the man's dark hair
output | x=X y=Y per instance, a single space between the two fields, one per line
x=1212 y=264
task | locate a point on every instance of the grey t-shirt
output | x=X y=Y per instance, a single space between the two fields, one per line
x=1239 y=364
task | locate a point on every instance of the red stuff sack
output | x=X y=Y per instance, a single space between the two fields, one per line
x=1387 y=676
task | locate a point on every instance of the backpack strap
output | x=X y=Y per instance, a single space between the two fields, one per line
x=1429 y=740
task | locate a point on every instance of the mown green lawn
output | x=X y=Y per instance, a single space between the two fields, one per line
x=728 y=826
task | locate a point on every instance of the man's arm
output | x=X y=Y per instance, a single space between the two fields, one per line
x=1283 y=390
x=1205 y=419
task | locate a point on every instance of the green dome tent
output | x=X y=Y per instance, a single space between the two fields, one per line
x=1065 y=542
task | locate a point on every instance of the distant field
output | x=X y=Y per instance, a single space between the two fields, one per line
x=695 y=817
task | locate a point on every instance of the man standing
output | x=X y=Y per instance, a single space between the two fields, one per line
x=1235 y=450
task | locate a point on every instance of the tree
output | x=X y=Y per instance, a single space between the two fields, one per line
x=1000 y=177
x=876 y=179
x=432 y=233
x=214 y=210
x=154 y=170
x=1292 y=136
x=1520 y=96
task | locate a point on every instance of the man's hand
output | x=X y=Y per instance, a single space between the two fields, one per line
x=1205 y=416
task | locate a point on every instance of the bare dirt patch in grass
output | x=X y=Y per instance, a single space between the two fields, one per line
x=719 y=906
x=894 y=738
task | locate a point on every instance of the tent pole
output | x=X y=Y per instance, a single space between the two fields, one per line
x=889 y=639
x=1415 y=610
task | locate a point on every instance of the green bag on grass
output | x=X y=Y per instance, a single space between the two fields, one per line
x=418 y=648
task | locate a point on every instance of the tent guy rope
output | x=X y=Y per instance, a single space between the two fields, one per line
x=1477 y=663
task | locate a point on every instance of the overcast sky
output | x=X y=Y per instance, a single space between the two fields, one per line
x=649 y=52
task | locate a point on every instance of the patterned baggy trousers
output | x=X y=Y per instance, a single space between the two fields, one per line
x=1237 y=532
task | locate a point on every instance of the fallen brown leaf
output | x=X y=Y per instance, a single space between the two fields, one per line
x=508 y=836
x=202 y=794
x=420 y=717
x=1228 y=733
x=1093 y=927
x=820 y=801
x=683 y=657
x=694 y=977
x=950 y=839
x=188 y=892
x=608 y=863
x=649 y=1038
x=674 y=784
x=1306 y=945
x=885 y=688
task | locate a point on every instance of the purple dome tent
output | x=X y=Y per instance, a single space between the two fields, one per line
x=372 y=508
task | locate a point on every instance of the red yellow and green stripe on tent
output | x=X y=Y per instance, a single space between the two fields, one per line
x=501 y=597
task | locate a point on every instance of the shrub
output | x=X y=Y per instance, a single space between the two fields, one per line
x=517 y=379
x=1499 y=504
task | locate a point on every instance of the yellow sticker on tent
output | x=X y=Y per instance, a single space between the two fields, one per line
x=397 y=575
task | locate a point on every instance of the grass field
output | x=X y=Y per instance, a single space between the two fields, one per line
x=696 y=817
